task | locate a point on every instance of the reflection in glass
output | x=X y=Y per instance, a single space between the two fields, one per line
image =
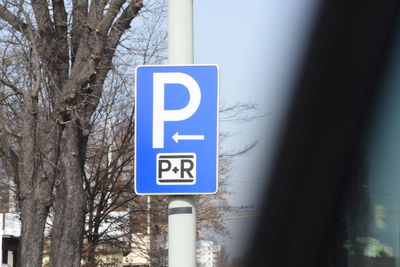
x=369 y=229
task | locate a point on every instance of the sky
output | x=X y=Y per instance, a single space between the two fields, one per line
x=258 y=45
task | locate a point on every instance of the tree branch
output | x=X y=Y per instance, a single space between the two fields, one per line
x=61 y=38
x=43 y=19
x=8 y=130
x=10 y=158
x=2 y=98
x=14 y=21
x=108 y=19
x=79 y=14
x=122 y=24
x=5 y=127
x=38 y=74
x=97 y=9
x=114 y=37
x=13 y=87
x=59 y=15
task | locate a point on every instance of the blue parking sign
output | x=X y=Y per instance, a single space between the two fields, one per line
x=176 y=121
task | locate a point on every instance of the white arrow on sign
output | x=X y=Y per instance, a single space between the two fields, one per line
x=178 y=137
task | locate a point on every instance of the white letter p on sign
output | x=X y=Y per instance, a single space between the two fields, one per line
x=160 y=114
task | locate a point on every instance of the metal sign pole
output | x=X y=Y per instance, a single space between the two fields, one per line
x=182 y=231
x=181 y=209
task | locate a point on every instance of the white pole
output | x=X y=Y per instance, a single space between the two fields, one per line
x=181 y=209
x=182 y=231
x=180 y=32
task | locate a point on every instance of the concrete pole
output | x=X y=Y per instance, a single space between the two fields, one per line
x=182 y=231
x=180 y=32
x=181 y=209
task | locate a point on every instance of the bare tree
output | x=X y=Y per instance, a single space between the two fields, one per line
x=116 y=215
x=66 y=123
x=62 y=51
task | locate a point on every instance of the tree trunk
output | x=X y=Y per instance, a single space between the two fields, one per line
x=70 y=202
x=91 y=256
x=33 y=216
x=68 y=60
x=34 y=190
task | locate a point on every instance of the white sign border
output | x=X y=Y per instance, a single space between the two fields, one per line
x=217 y=134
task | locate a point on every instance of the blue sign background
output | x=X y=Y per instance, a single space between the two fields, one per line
x=203 y=122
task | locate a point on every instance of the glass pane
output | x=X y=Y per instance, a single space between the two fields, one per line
x=369 y=229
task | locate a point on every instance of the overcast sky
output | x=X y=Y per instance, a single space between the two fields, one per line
x=257 y=45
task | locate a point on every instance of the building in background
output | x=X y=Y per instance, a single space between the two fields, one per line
x=139 y=255
x=207 y=253
x=10 y=224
